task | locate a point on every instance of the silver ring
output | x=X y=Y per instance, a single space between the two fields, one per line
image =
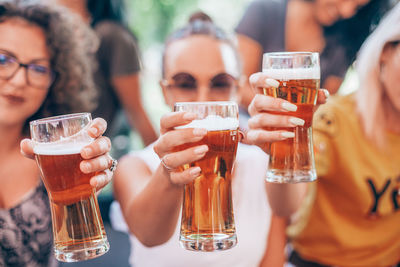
x=168 y=168
x=113 y=166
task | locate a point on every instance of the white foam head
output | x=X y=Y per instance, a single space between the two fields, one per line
x=293 y=74
x=58 y=149
x=213 y=123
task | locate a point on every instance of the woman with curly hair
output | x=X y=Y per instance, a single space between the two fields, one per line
x=44 y=71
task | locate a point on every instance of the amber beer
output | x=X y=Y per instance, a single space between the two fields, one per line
x=292 y=159
x=207 y=222
x=78 y=229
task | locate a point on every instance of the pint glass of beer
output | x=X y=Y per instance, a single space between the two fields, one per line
x=298 y=73
x=78 y=229
x=207 y=222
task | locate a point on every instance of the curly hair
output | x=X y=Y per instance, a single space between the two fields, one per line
x=71 y=45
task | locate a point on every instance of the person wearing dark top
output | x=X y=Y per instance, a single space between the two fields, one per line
x=44 y=71
x=334 y=28
x=117 y=75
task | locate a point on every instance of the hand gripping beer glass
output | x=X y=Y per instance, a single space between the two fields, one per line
x=78 y=229
x=207 y=222
x=298 y=73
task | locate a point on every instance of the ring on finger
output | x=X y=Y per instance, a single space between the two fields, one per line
x=114 y=164
x=168 y=168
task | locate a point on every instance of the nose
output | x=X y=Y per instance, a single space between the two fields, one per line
x=19 y=79
x=348 y=9
x=203 y=92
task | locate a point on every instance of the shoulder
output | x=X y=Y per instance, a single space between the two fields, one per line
x=331 y=117
x=113 y=31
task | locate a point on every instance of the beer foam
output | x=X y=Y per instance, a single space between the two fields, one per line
x=293 y=74
x=213 y=123
x=58 y=149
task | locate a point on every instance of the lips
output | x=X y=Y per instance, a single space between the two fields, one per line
x=13 y=99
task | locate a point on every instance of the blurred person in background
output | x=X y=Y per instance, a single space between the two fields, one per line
x=44 y=71
x=118 y=71
x=334 y=28
x=350 y=216
x=199 y=64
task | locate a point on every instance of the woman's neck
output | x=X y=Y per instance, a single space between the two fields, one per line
x=392 y=115
x=10 y=138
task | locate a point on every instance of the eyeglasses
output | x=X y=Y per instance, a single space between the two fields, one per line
x=38 y=72
x=185 y=82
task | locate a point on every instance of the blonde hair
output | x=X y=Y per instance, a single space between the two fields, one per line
x=370 y=95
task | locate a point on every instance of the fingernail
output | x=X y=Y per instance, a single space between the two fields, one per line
x=289 y=106
x=326 y=93
x=287 y=135
x=189 y=116
x=86 y=167
x=201 y=150
x=94 y=131
x=296 y=121
x=252 y=135
x=272 y=82
x=195 y=171
x=87 y=151
x=100 y=180
x=199 y=131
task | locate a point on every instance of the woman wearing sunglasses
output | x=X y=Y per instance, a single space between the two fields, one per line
x=44 y=71
x=199 y=64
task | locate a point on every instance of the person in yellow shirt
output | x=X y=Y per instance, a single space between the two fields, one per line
x=351 y=215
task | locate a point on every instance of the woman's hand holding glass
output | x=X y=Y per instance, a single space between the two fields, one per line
x=171 y=138
x=262 y=108
x=96 y=154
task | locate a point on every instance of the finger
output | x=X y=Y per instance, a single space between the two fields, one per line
x=174 y=119
x=187 y=156
x=262 y=103
x=26 y=148
x=101 y=179
x=259 y=137
x=171 y=139
x=261 y=80
x=97 y=164
x=100 y=146
x=263 y=120
x=323 y=96
x=186 y=176
x=97 y=127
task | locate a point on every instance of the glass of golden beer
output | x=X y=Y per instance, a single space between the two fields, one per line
x=207 y=222
x=78 y=229
x=298 y=74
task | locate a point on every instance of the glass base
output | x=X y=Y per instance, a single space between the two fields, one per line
x=208 y=242
x=290 y=176
x=82 y=252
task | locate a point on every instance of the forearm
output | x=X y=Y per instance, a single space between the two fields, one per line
x=152 y=215
x=285 y=199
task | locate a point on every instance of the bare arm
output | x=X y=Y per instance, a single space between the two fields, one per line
x=251 y=55
x=151 y=202
x=128 y=90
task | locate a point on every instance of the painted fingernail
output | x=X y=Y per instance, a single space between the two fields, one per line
x=296 y=121
x=326 y=93
x=86 y=166
x=272 y=82
x=195 y=171
x=100 y=180
x=199 y=131
x=189 y=116
x=87 y=151
x=201 y=150
x=289 y=106
x=287 y=135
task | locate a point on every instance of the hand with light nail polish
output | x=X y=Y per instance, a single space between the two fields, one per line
x=267 y=111
x=96 y=155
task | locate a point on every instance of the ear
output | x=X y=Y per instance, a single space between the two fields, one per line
x=386 y=53
x=168 y=98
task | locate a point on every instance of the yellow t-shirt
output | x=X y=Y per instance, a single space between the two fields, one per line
x=351 y=216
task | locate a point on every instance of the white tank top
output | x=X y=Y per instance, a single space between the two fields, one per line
x=251 y=212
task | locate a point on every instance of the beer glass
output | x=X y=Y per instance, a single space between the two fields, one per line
x=207 y=222
x=298 y=73
x=78 y=229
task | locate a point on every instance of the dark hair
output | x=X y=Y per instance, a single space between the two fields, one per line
x=70 y=58
x=106 y=10
x=199 y=23
x=352 y=32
